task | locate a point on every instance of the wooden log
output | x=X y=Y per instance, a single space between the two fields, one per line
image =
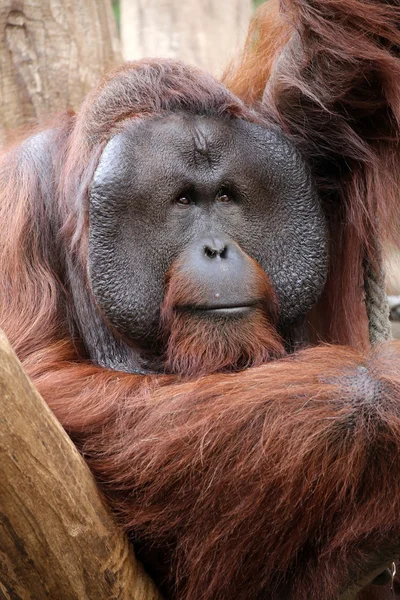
x=52 y=54
x=58 y=541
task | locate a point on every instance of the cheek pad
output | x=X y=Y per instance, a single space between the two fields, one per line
x=127 y=281
x=124 y=270
x=296 y=256
x=285 y=229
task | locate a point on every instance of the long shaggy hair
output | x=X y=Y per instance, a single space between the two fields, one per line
x=328 y=73
x=280 y=481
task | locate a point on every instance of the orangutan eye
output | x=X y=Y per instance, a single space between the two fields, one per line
x=223 y=196
x=183 y=201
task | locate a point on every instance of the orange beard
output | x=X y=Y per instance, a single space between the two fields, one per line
x=197 y=343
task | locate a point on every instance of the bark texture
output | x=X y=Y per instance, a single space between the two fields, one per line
x=51 y=54
x=57 y=539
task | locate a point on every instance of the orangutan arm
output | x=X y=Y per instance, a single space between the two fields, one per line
x=295 y=461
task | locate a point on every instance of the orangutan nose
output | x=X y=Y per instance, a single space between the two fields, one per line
x=215 y=248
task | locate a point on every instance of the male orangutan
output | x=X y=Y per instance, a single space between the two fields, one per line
x=166 y=252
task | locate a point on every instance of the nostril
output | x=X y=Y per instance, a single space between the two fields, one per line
x=212 y=251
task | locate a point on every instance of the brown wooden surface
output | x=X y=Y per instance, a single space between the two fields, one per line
x=57 y=540
x=52 y=54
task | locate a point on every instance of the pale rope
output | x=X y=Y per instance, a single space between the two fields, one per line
x=377 y=304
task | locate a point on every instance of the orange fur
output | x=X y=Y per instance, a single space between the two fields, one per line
x=331 y=81
x=197 y=345
x=268 y=34
x=279 y=481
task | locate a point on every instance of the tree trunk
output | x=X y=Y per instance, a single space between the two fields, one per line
x=206 y=34
x=51 y=54
x=57 y=539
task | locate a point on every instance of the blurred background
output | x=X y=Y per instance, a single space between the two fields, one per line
x=53 y=52
x=206 y=33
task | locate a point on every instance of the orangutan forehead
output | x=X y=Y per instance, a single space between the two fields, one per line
x=180 y=143
x=190 y=135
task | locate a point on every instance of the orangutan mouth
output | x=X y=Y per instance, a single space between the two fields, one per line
x=221 y=310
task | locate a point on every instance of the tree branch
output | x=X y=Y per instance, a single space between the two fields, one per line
x=57 y=539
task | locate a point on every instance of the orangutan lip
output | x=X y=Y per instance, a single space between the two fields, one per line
x=220 y=310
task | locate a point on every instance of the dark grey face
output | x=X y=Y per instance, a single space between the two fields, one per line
x=166 y=186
